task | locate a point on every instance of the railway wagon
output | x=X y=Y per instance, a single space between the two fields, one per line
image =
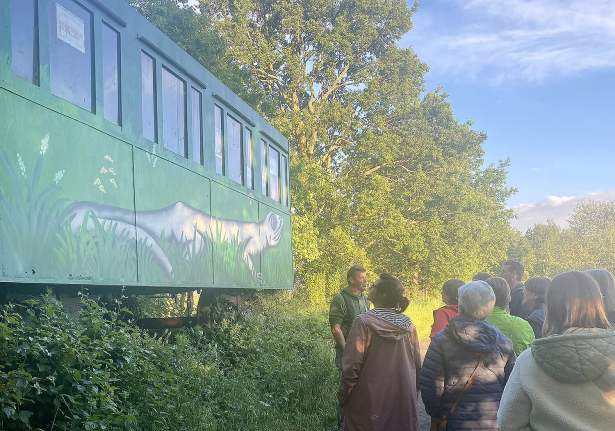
x=125 y=163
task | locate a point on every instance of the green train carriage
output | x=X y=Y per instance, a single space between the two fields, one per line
x=125 y=163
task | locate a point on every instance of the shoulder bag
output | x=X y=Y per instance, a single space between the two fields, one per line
x=439 y=424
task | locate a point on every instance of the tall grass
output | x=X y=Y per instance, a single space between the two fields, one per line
x=421 y=313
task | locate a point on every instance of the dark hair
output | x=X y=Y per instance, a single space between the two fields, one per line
x=353 y=271
x=501 y=289
x=574 y=300
x=516 y=267
x=393 y=293
x=451 y=289
x=606 y=282
x=481 y=276
x=538 y=286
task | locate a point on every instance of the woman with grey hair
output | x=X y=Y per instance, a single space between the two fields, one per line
x=467 y=365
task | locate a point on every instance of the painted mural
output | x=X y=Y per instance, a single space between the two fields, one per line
x=78 y=205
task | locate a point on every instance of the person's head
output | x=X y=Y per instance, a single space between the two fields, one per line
x=357 y=277
x=387 y=292
x=606 y=282
x=481 y=276
x=534 y=290
x=573 y=301
x=512 y=272
x=501 y=289
x=476 y=300
x=450 y=291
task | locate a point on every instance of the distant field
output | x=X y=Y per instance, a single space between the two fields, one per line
x=421 y=313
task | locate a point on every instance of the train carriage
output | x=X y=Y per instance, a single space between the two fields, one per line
x=124 y=162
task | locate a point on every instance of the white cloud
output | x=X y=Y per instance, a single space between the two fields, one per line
x=517 y=39
x=556 y=208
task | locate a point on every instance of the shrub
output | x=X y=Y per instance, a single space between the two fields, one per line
x=273 y=371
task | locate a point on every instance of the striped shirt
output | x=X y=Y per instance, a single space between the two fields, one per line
x=389 y=315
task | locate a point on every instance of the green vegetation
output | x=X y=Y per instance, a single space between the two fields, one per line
x=269 y=372
x=382 y=173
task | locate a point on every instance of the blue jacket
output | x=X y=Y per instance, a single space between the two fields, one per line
x=449 y=362
x=516 y=303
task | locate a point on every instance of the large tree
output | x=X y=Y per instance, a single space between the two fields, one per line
x=382 y=172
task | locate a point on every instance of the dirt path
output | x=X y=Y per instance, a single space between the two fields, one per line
x=424 y=419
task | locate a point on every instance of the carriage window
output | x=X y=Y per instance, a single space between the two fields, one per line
x=274 y=177
x=173 y=113
x=70 y=53
x=219 y=144
x=264 y=166
x=111 y=73
x=196 y=126
x=148 y=97
x=284 y=179
x=24 y=40
x=235 y=150
x=250 y=162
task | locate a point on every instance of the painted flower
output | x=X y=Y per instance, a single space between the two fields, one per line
x=112 y=171
x=22 y=166
x=109 y=158
x=102 y=188
x=44 y=144
x=112 y=181
x=103 y=170
x=58 y=176
x=97 y=182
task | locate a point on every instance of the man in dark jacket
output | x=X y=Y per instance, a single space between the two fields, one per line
x=454 y=354
x=512 y=271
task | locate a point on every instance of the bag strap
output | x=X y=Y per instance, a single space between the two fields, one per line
x=467 y=385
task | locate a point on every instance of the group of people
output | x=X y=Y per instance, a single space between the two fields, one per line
x=504 y=354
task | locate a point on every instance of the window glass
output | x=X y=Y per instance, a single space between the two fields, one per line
x=70 y=52
x=235 y=150
x=196 y=126
x=24 y=40
x=219 y=144
x=264 y=166
x=148 y=97
x=111 y=73
x=250 y=162
x=173 y=113
x=284 y=179
x=274 y=177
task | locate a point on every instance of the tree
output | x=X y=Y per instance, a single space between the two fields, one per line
x=382 y=172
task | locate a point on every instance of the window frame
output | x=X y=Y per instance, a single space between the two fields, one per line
x=163 y=68
x=108 y=24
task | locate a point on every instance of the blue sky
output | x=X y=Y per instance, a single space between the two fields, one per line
x=539 y=77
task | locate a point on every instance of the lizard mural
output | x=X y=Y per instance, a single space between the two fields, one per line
x=177 y=222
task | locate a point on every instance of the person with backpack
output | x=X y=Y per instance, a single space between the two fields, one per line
x=345 y=306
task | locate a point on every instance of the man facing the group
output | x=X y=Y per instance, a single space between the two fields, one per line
x=345 y=306
x=512 y=272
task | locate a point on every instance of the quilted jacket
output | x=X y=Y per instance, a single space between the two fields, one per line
x=564 y=383
x=449 y=362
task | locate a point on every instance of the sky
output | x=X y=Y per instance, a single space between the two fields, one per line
x=538 y=76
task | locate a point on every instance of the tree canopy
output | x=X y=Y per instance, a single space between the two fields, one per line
x=382 y=173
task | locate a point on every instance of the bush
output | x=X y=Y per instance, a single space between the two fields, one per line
x=96 y=372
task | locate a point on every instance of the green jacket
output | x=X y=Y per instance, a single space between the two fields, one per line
x=345 y=306
x=518 y=330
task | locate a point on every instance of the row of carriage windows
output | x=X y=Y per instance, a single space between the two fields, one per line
x=71 y=78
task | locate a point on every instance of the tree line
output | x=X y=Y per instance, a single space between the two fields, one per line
x=382 y=173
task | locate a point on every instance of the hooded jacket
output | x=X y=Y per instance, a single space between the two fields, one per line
x=564 y=383
x=449 y=362
x=442 y=316
x=378 y=388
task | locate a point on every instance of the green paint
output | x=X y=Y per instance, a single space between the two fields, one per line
x=72 y=185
